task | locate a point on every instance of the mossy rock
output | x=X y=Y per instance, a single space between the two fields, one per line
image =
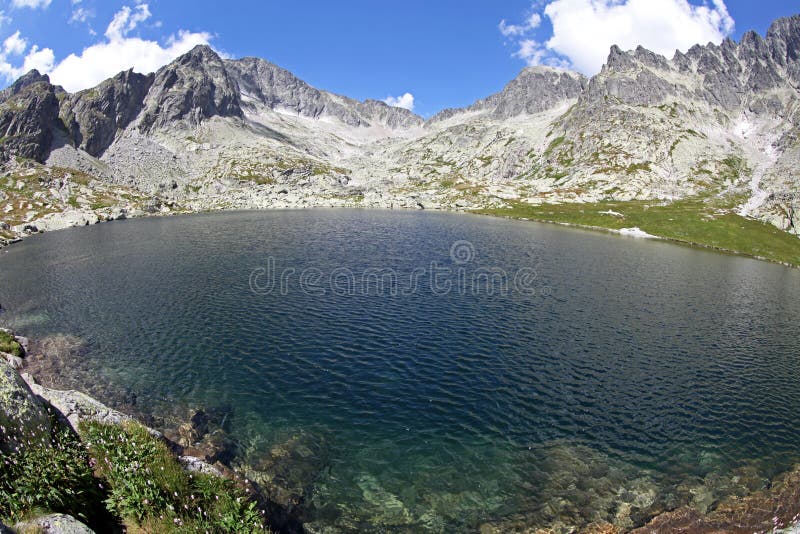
x=53 y=524
x=24 y=419
x=10 y=345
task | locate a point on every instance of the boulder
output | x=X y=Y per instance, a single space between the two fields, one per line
x=76 y=406
x=23 y=416
x=288 y=470
x=14 y=361
x=54 y=524
x=66 y=219
x=196 y=465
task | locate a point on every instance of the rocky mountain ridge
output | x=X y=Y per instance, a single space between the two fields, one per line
x=720 y=122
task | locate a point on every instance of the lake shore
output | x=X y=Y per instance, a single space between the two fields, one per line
x=200 y=444
x=763 y=242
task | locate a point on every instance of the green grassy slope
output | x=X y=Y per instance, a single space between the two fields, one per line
x=695 y=221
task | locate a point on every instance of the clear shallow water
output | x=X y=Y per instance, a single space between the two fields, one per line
x=621 y=371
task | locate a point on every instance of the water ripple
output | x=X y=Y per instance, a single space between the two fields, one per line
x=650 y=362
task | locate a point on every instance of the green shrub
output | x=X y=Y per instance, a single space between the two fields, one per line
x=149 y=488
x=55 y=479
x=9 y=345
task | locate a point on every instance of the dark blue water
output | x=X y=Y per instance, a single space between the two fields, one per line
x=604 y=367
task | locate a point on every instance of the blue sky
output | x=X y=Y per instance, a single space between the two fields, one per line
x=446 y=53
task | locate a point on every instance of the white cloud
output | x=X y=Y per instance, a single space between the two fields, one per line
x=41 y=59
x=31 y=3
x=512 y=30
x=405 y=101
x=14 y=45
x=102 y=60
x=81 y=14
x=584 y=30
x=126 y=20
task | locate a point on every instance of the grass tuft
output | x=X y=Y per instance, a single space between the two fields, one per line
x=9 y=345
x=150 y=490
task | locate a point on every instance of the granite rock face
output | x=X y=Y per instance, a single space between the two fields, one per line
x=263 y=83
x=23 y=416
x=534 y=90
x=94 y=117
x=194 y=87
x=76 y=406
x=28 y=116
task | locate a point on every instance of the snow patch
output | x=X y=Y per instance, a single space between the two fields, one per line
x=636 y=232
x=613 y=213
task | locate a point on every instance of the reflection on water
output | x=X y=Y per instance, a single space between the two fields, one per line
x=637 y=376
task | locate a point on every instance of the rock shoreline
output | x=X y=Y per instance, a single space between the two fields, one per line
x=282 y=478
x=195 y=444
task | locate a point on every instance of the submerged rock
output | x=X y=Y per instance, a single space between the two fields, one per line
x=761 y=511
x=574 y=488
x=203 y=437
x=392 y=511
x=287 y=472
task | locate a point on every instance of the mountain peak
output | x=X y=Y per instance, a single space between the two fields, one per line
x=198 y=54
x=783 y=39
x=194 y=87
x=536 y=89
x=31 y=77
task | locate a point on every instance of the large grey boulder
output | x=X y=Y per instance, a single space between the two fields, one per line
x=53 y=524
x=76 y=406
x=64 y=219
x=24 y=418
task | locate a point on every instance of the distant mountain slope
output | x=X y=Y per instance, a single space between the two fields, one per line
x=718 y=122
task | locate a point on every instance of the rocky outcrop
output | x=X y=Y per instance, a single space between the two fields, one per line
x=24 y=418
x=54 y=524
x=534 y=90
x=96 y=116
x=28 y=116
x=194 y=87
x=76 y=406
x=263 y=83
x=783 y=38
x=379 y=113
x=277 y=88
x=61 y=220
